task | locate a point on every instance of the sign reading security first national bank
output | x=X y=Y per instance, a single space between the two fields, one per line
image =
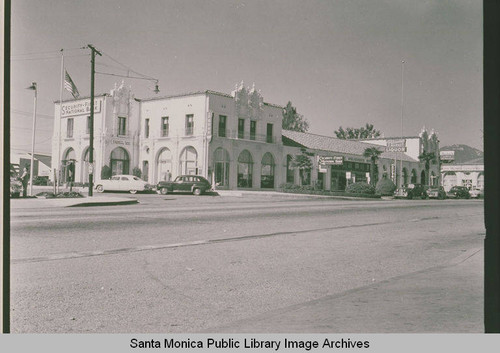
x=80 y=108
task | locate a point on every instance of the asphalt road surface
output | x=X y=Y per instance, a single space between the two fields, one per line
x=180 y=263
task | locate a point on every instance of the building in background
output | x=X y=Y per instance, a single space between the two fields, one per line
x=462 y=165
x=41 y=164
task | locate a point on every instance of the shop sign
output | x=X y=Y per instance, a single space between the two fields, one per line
x=120 y=142
x=463 y=168
x=447 y=155
x=348 y=175
x=396 y=146
x=80 y=108
x=331 y=160
x=393 y=172
x=322 y=168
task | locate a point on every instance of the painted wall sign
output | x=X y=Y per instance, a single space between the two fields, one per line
x=120 y=142
x=447 y=155
x=462 y=168
x=331 y=160
x=396 y=146
x=80 y=108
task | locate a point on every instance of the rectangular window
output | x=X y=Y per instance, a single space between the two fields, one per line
x=189 y=124
x=88 y=125
x=146 y=128
x=69 y=127
x=164 y=126
x=122 y=126
x=253 y=129
x=222 y=126
x=269 y=134
x=241 y=128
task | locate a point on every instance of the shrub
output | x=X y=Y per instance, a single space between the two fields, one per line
x=289 y=186
x=137 y=172
x=360 y=188
x=105 y=172
x=41 y=180
x=385 y=187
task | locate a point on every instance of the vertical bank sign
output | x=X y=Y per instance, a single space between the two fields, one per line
x=80 y=108
x=396 y=146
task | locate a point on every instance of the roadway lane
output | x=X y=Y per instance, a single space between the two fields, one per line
x=184 y=266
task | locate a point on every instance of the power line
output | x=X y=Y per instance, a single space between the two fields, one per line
x=49 y=52
x=49 y=58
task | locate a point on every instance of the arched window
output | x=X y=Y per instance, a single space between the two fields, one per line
x=405 y=176
x=290 y=171
x=245 y=169
x=120 y=161
x=267 y=171
x=422 y=178
x=164 y=165
x=480 y=181
x=413 y=179
x=188 y=161
x=69 y=156
x=221 y=164
x=85 y=165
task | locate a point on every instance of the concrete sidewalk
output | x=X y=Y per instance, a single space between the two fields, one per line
x=443 y=299
x=265 y=193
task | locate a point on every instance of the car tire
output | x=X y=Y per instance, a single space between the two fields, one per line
x=99 y=188
x=133 y=191
x=197 y=191
x=163 y=191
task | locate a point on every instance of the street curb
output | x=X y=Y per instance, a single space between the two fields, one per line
x=110 y=203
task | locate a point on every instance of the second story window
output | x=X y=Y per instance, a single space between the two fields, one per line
x=164 y=126
x=146 y=128
x=88 y=125
x=122 y=126
x=241 y=128
x=222 y=126
x=189 y=124
x=269 y=133
x=253 y=129
x=69 y=127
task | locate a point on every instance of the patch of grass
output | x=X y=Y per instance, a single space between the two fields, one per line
x=60 y=195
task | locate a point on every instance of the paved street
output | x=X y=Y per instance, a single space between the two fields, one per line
x=179 y=263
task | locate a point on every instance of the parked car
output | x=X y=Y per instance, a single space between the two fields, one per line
x=411 y=191
x=129 y=183
x=476 y=193
x=436 y=192
x=458 y=192
x=195 y=184
x=15 y=187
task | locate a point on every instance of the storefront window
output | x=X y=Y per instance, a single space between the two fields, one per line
x=245 y=168
x=290 y=171
x=188 y=161
x=221 y=160
x=267 y=171
x=164 y=165
x=119 y=161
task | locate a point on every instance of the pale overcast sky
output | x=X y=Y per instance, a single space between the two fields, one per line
x=338 y=61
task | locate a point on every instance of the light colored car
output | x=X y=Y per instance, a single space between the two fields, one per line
x=129 y=183
x=476 y=193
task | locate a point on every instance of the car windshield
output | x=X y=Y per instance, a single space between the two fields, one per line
x=179 y=178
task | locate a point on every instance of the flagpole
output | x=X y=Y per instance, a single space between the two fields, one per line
x=59 y=162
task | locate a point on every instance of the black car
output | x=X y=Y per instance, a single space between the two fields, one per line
x=411 y=191
x=458 y=192
x=436 y=192
x=194 y=184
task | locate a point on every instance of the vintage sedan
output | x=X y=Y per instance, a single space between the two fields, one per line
x=476 y=193
x=436 y=192
x=129 y=183
x=411 y=191
x=458 y=192
x=194 y=184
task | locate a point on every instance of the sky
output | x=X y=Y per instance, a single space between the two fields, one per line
x=339 y=61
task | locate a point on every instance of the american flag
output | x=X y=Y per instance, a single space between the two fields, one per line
x=70 y=86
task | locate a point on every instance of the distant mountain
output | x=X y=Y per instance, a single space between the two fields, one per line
x=464 y=153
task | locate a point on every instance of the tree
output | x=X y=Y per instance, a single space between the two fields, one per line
x=427 y=157
x=304 y=164
x=292 y=120
x=350 y=133
x=373 y=153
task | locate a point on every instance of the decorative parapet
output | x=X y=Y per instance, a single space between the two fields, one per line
x=249 y=102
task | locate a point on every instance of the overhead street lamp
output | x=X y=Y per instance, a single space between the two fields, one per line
x=34 y=88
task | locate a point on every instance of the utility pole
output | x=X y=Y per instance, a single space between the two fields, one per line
x=91 y=139
x=34 y=88
x=401 y=176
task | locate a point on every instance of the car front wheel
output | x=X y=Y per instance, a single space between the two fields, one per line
x=163 y=191
x=99 y=188
x=132 y=191
x=197 y=192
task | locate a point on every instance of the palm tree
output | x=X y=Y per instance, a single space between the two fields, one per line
x=373 y=153
x=427 y=157
x=303 y=163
